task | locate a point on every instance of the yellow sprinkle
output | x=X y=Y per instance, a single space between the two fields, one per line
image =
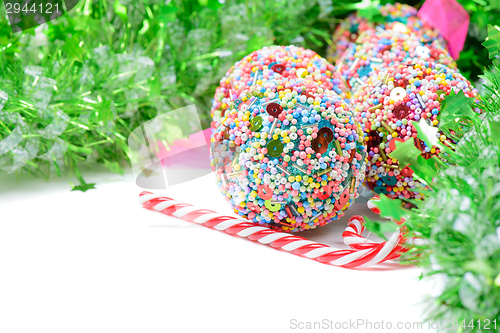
x=378 y=106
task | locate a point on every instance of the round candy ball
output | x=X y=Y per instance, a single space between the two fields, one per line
x=347 y=32
x=349 y=29
x=271 y=63
x=292 y=158
x=378 y=49
x=387 y=107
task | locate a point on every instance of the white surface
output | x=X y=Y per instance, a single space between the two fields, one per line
x=98 y=262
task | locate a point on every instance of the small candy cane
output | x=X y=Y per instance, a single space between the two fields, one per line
x=363 y=253
x=372 y=204
x=353 y=238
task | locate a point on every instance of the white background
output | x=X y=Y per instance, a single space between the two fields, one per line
x=98 y=262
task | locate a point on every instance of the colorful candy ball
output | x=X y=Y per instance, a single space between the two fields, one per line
x=347 y=32
x=290 y=158
x=271 y=63
x=387 y=107
x=378 y=49
x=349 y=29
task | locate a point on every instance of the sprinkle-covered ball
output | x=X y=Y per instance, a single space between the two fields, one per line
x=271 y=63
x=346 y=33
x=378 y=49
x=387 y=107
x=290 y=158
x=349 y=29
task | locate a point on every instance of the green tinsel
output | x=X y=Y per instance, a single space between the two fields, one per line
x=474 y=58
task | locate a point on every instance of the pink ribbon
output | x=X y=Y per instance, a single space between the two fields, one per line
x=451 y=19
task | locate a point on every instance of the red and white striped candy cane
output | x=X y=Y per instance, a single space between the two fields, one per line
x=363 y=253
x=353 y=238
x=372 y=204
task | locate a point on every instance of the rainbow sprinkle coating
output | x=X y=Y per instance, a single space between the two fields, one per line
x=349 y=29
x=386 y=108
x=377 y=49
x=290 y=156
x=271 y=63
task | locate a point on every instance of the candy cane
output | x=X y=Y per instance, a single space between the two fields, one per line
x=372 y=204
x=364 y=253
x=353 y=238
